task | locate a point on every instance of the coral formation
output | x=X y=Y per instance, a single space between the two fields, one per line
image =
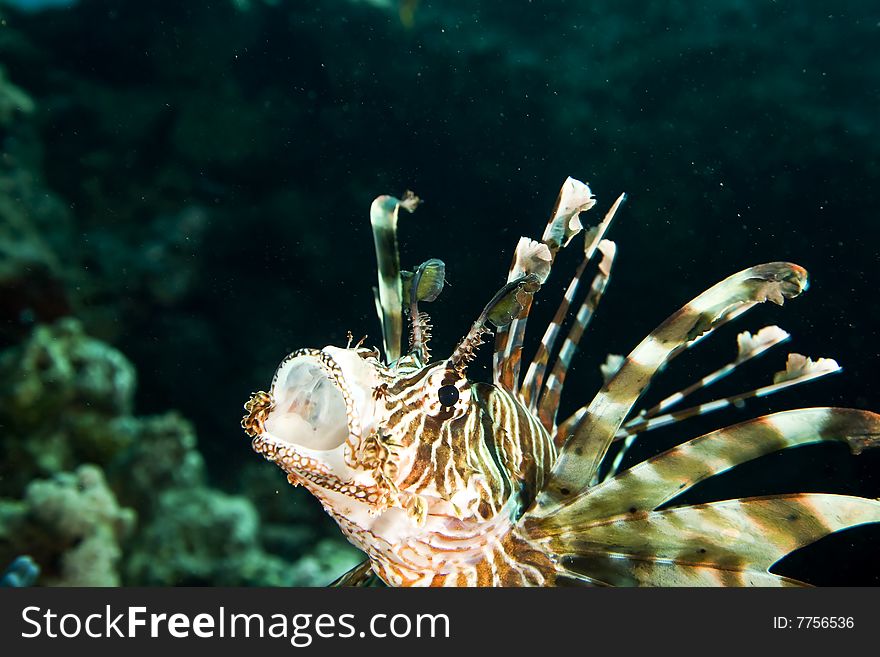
x=67 y=398
x=72 y=526
x=203 y=536
x=58 y=391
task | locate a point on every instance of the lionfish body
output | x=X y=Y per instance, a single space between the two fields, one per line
x=443 y=481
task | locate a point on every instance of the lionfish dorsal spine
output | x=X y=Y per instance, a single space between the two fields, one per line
x=574 y=197
x=548 y=405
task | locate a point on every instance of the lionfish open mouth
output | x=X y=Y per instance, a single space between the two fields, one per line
x=320 y=400
x=309 y=408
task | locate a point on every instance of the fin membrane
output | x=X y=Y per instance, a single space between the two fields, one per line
x=652 y=483
x=729 y=543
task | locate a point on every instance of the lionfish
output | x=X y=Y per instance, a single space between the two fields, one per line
x=444 y=481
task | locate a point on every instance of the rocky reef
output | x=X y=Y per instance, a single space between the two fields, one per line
x=140 y=511
x=71 y=525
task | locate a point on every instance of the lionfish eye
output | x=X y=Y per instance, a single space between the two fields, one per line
x=447 y=395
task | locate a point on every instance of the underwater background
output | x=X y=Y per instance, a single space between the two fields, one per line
x=184 y=195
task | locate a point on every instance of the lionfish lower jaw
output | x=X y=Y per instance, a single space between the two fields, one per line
x=289 y=458
x=324 y=472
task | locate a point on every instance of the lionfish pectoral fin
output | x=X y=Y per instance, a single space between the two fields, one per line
x=613 y=533
x=361 y=575
x=728 y=543
x=748 y=347
x=626 y=570
x=389 y=294
x=650 y=484
x=592 y=435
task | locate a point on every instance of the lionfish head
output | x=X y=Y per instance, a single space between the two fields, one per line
x=340 y=422
x=349 y=425
x=315 y=415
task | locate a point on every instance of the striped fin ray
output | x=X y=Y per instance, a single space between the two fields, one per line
x=389 y=293
x=566 y=429
x=535 y=374
x=609 y=369
x=533 y=258
x=731 y=542
x=597 y=234
x=509 y=362
x=594 y=432
x=625 y=570
x=641 y=425
x=750 y=346
x=646 y=486
x=549 y=402
x=564 y=223
x=502 y=337
x=537 y=369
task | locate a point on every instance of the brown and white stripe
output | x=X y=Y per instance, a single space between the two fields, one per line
x=594 y=432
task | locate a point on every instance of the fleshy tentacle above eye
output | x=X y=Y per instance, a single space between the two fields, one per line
x=389 y=293
x=507 y=303
x=424 y=284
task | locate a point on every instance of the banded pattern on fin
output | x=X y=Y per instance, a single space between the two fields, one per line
x=624 y=570
x=646 y=486
x=783 y=380
x=564 y=223
x=593 y=434
x=509 y=363
x=739 y=539
x=612 y=366
x=534 y=381
x=749 y=347
x=548 y=405
x=530 y=258
x=537 y=369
